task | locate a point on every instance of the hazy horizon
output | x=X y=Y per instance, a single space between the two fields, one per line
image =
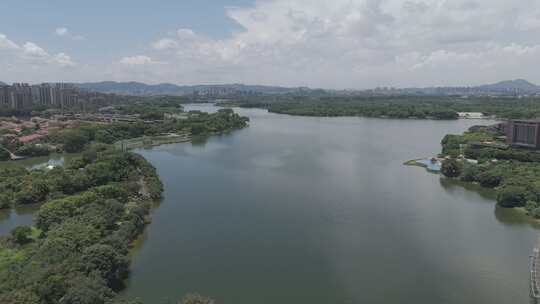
x=344 y=44
x=255 y=84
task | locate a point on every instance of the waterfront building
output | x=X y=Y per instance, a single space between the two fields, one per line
x=524 y=133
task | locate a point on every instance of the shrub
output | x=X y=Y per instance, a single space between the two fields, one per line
x=470 y=173
x=21 y=235
x=451 y=168
x=489 y=179
x=511 y=196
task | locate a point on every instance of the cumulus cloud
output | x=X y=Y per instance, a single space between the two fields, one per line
x=362 y=43
x=29 y=55
x=138 y=60
x=6 y=44
x=32 y=50
x=337 y=44
x=64 y=60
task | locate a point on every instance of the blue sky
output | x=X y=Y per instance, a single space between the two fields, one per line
x=317 y=43
x=120 y=26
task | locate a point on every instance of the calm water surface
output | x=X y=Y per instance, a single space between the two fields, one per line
x=321 y=210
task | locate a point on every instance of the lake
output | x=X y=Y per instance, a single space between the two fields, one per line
x=322 y=210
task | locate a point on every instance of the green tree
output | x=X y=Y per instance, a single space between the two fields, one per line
x=104 y=259
x=74 y=140
x=451 y=168
x=86 y=290
x=489 y=179
x=512 y=196
x=469 y=173
x=4 y=155
x=32 y=192
x=51 y=289
x=21 y=235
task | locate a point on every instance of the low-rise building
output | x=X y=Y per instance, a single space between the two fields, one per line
x=471 y=115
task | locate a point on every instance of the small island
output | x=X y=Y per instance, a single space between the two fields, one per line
x=503 y=157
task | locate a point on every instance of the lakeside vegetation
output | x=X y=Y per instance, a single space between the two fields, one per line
x=419 y=107
x=91 y=209
x=74 y=139
x=76 y=252
x=193 y=123
x=513 y=173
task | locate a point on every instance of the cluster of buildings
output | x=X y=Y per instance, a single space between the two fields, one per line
x=218 y=91
x=31 y=130
x=520 y=133
x=59 y=95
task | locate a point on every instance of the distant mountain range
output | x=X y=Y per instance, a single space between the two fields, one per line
x=518 y=84
x=513 y=87
x=506 y=87
x=138 y=88
x=518 y=87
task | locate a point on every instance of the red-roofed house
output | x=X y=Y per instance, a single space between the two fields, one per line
x=30 y=138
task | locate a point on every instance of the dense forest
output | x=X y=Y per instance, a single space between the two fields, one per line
x=76 y=252
x=420 y=107
x=91 y=209
x=513 y=173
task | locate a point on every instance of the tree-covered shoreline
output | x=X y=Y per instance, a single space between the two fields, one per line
x=169 y=120
x=398 y=107
x=92 y=209
x=76 y=251
x=479 y=156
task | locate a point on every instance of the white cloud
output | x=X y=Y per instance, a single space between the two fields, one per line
x=32 y=50
x=64 y=32
x=334 y=44
x=165 y=44
x=30 y=56
x=64 y=60
x=61 y=31
x=363 y=43
x=6 y=44
x=138 y=60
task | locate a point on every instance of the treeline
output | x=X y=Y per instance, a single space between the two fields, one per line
x=19 y=186
x=513 y=173
x=383 y=110
x=195 y=123
x=77 y=251
x=154 y=110
x=421 y=107
x=75 y=139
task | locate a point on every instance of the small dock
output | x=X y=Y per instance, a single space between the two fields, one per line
x=534 y=264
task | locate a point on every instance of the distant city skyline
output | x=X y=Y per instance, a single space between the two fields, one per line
x=339 y=44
